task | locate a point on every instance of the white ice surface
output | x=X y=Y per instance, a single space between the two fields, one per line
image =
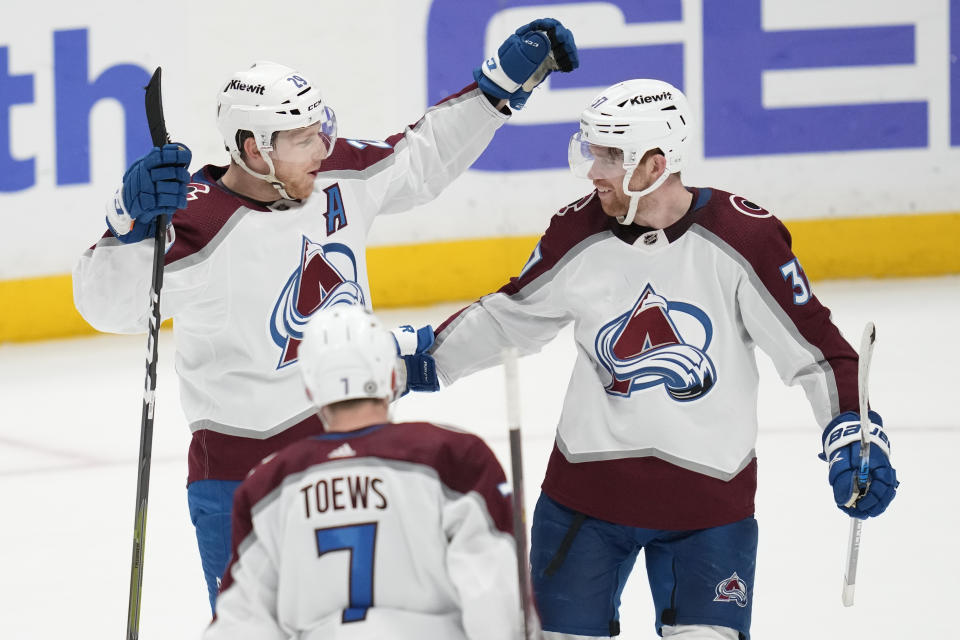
x=70 y=429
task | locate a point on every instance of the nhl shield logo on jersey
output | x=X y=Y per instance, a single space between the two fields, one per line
x=732 y=589
x=326 y=275
x=645 y=347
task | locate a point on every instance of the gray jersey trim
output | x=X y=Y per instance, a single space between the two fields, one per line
x=653 y=452
x=820 y=362
x=254 y=434
x=387 y=162
x=534 y=286
x=111 y=241
x=572 y=254
x=211 y=246
x=192 y=259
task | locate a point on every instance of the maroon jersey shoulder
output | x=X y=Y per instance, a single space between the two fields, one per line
x=571 y=225
x=209 y=208
x=751 y=230
x=764 y=245
x=351 y=154
x=758 y=239
x=462 y=461
x=356 y=155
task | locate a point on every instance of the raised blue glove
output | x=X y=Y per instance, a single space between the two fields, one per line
x=154 y=185
x=841 y=448
x=420 y=370
x=561 y=42
x=525 y=59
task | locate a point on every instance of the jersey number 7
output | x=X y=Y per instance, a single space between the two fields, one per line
x=360 y=540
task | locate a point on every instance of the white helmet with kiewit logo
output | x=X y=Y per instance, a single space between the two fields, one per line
x=265 y=99
x=634 y=117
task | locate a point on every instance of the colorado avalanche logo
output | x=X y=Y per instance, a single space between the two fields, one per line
x=644 y=348
x=196 y=189
x=733 y=589
x=327 y=275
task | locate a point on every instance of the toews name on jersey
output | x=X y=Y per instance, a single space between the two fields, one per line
x=344 y=492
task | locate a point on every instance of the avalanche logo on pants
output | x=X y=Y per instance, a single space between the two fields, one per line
x=327 y=275
x=733 y=589
x=644 y=348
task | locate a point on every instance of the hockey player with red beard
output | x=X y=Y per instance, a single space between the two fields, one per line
x=256 y=247
x=670 y=289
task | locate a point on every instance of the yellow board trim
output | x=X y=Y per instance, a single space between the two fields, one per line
x=423 y=274
x=878 y=247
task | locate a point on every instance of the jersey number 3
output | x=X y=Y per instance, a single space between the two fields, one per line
x=793 y=273
x=360 y=540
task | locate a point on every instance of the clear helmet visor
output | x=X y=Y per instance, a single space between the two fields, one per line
x=592 y=161
x=307 y=144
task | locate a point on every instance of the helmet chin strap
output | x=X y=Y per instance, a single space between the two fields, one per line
x=271 y=177
x=636 y=195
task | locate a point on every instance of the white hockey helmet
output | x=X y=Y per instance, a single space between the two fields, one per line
x=633 y=117
x=267 y=98
x=346 y=354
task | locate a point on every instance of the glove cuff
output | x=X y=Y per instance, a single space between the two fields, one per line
x=410 y=341
x=422 y=373
x=493 y=70
x=118 y=218
x=845 y=429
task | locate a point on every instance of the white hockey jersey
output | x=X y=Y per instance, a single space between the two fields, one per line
x=241 y=279
x=392 y=531
x=659 y=422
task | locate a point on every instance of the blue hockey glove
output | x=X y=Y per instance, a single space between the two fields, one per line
x=154 y=185
x=525 y=59
x=841 y=448
x=420 y=370
x=561 y=42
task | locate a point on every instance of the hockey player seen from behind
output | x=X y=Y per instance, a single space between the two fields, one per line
x=669 y=288
x=372 y=529
x=256 y=247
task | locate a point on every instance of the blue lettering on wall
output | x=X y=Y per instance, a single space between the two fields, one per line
x=14 y=89
x=76 y=96
x=451 y=61
x=736 y=50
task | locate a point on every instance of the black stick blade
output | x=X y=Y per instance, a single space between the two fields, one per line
x=154 y=105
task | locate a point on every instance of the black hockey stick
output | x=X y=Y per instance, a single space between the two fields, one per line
x=159 y=137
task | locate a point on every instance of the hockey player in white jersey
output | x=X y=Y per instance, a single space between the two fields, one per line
x=256 y=247
x=373 y=529
x=670 y=289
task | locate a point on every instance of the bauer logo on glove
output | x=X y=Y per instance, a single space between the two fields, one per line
x=841 y=448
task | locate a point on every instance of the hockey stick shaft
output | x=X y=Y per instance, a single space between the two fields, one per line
x=862 y=479
x=516 y=463
x=159 y=137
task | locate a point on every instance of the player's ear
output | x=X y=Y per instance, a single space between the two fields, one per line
x=654 y=161
x=250 y=148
